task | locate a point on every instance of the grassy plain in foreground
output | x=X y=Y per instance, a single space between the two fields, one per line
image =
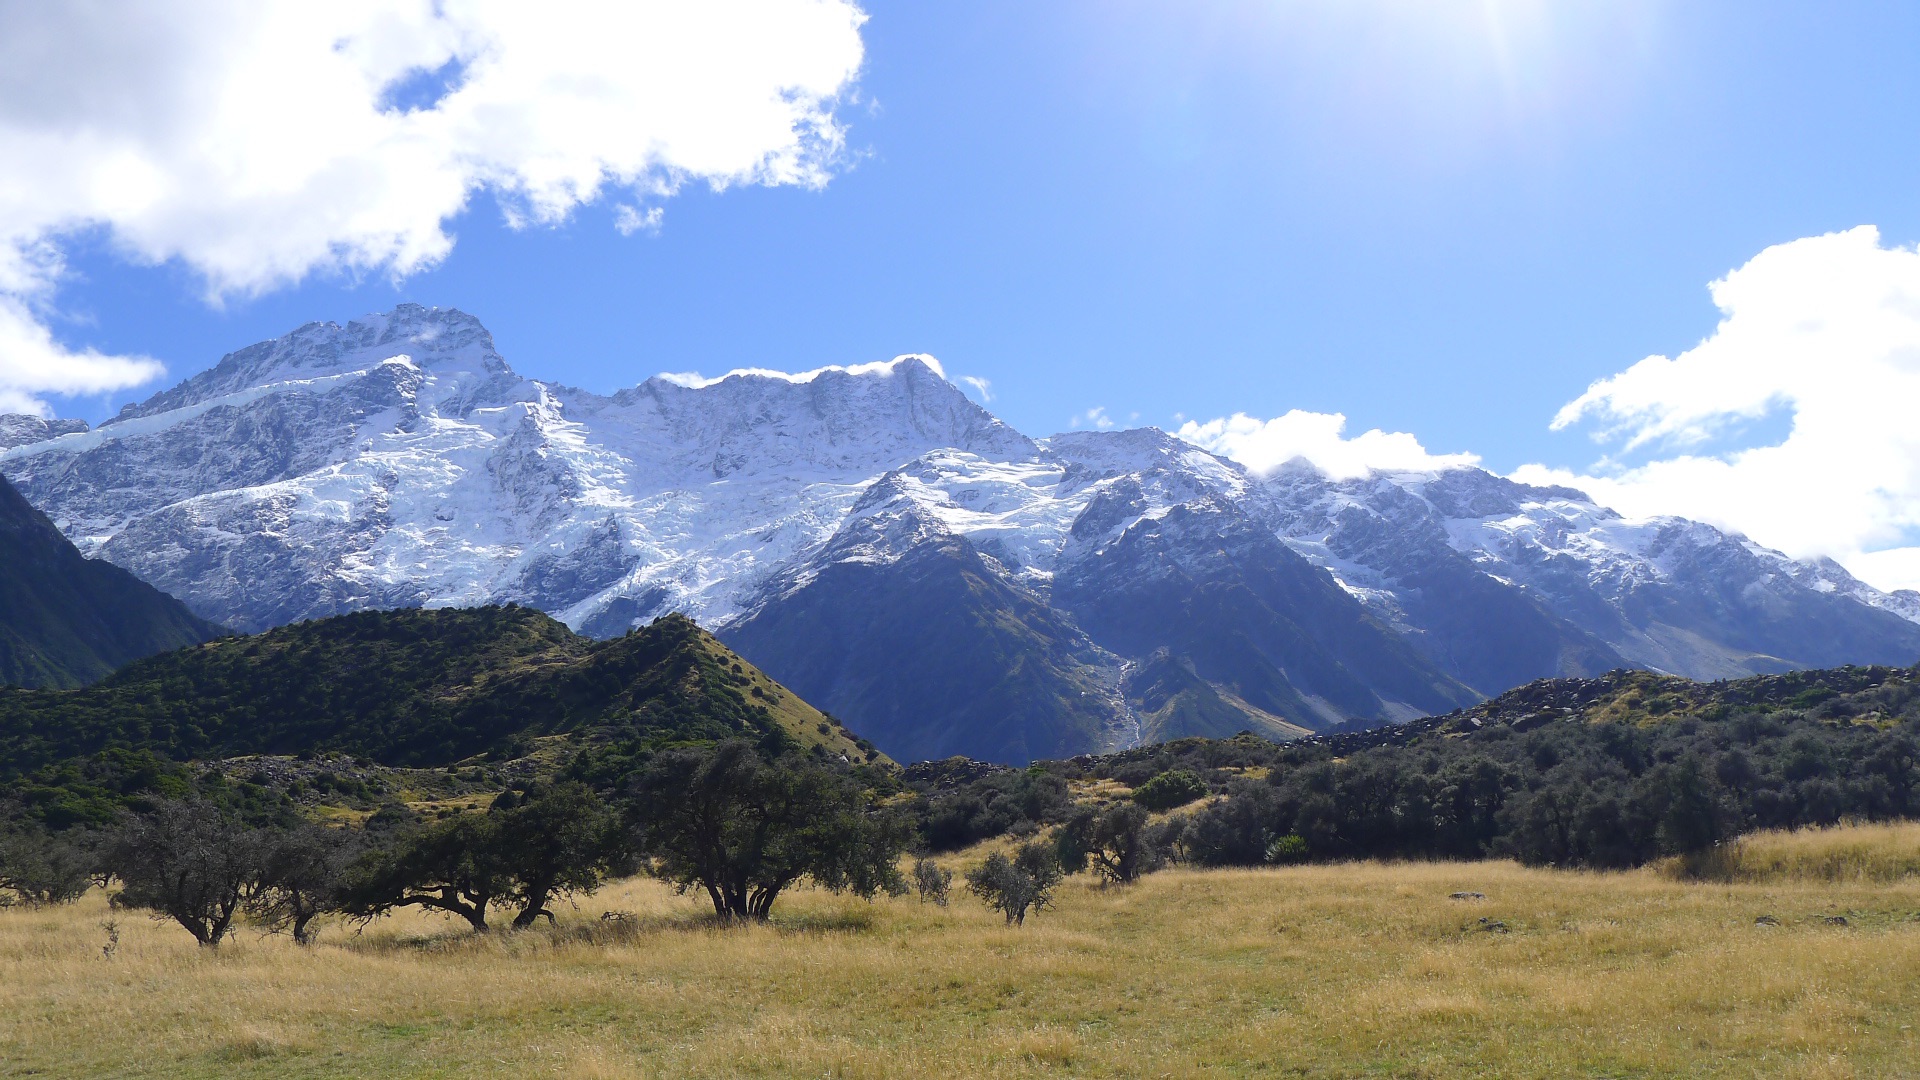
x=1365 y=969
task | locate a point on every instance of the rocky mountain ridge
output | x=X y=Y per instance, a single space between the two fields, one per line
x=898 y=556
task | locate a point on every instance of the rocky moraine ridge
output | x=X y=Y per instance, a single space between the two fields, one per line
x=892 y=552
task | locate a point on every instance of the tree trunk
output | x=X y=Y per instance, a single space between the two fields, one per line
x=536 y=906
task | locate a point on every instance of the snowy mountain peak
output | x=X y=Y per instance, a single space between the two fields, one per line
x=868 y=417
x=445 y=339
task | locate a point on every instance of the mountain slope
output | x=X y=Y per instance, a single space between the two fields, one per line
x=66 y=620
x=1248 y=616
x=414 y=687
x=903 y=624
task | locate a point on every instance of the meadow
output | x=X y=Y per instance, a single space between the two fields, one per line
x=1361 y=969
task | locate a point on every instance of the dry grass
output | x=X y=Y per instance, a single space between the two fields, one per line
x=1877 y=853
x=1362 y=970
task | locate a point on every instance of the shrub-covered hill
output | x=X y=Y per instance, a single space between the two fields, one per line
x=416 y=688
x=1608 y=771
x=1867 y=695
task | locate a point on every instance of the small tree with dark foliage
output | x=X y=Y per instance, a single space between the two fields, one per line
x=1018 y=885
x=1118 y=840
x=39 y=867
x=185 y=861
x=744 y=829
x=934 y=882
x=529 y=848
x=556 y=840
x=451 y=865
x=302 y=876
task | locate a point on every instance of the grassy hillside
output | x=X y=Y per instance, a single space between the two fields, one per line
x=1361 y=969
x=415 y=688
x=66 y=620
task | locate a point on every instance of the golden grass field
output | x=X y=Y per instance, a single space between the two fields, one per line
x=1359 y=970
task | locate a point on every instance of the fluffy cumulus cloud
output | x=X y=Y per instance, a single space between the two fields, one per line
x=1264 y=445
x=1826 y=330
x=256 y=142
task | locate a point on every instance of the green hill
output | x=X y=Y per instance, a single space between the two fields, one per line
x=1852 y=695
x=67 y=620
x=416 y=688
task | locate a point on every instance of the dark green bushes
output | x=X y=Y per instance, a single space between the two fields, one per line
x=38 y=867
x=1570 y=793
x=528 y=849
x=743 y=829
x=1175 y=787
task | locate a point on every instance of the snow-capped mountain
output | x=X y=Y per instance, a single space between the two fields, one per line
x=875 y=540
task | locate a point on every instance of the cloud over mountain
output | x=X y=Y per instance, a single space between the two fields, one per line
x=1825 y=329
x=256 y=143
x=1264 y=445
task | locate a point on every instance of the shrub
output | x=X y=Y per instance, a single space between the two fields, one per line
x=450 y=865
x=933 y=881
x=1176 y=787
x=530 y=849
x=1018 y=885
x=302 y=871
x=38 y=867
x=1291 y=848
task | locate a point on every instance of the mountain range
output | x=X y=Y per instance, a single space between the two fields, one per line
x=896 y=555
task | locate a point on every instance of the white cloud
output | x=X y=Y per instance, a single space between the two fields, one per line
x=1095 y=417
x=632 y=219
x=1264 y=445
x=1827 y=328
x=982 y=386
x=258 y=142
x=693 y=380
x=32 y=363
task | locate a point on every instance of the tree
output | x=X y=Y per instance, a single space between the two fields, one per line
x=302 y=876
x=1687 y=807
x=451 y=865
x=935 y=882
x=185 y=861
x=527 y=849
x=39 y=867
x=744 y=829
x=1018 y=885
x=555 y=841
x=1116 y=840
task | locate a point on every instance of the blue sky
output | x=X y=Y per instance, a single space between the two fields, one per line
x=1441 y=218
